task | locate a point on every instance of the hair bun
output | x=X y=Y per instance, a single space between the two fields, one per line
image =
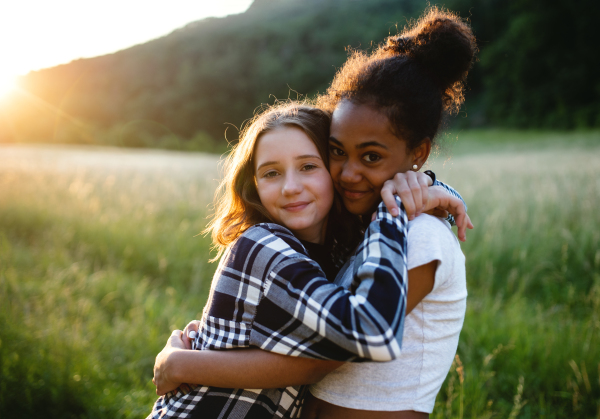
x=442 y=42
x=399 y=44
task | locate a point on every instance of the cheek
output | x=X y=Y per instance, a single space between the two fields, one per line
x=335 y=169
x=268 y=196
x=327 y=191
x=377 y=177
x=322 y=187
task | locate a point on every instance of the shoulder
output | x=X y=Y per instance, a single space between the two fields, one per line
x=431 y=228
x=269 y=250
x=267 y=240
x=430 y=238
x=263 y=231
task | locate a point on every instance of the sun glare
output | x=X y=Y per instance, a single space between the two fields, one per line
x=8 y=83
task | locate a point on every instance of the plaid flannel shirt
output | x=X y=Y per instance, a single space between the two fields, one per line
x=268 y=293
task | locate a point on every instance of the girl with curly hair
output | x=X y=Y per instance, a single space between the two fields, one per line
x=386 y=110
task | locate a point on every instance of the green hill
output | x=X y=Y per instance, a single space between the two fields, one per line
x=187 y=88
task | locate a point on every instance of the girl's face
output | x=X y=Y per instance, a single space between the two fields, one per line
x=293 y=182
x=363 y=155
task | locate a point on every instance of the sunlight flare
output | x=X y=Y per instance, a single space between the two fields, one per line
x=8 y=83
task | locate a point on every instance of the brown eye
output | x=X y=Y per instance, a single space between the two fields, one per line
x=272 y=173
x=336 y=151
x=307 y=167
x=371 y=157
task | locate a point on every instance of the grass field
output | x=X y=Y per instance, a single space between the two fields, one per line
x=100 y=259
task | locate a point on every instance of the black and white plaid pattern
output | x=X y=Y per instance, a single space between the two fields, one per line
x=204 y=402
x=268 y=293
x=222 y=334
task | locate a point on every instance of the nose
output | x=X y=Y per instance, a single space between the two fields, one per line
x=292 y=185
x=350 y=172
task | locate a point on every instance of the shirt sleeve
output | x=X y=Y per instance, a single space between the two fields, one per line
x=452 y=192
x=303 y=314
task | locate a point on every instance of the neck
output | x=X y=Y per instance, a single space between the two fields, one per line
x=313 y=234
x=365 y=219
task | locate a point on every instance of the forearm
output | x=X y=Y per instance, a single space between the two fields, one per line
x=381 y=276
x=245 y=368
x=323 y=320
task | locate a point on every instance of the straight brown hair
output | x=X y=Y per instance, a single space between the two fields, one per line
x=237 y=204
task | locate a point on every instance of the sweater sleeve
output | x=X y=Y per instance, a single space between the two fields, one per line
x=303 y=314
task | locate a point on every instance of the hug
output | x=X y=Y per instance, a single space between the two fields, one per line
x=340 y=291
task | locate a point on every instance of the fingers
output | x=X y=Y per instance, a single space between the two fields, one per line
x=424 y=182
x=187 y=343
x=192 y=326
x=190 y=332
x=463 y=221
x=404 y=191
x=176 y=338
x=415 y=190
x=387 y=195
x=462 y=229
x=440 y=198
x=461 y=218
x=462 y=226
x=470 y=225
x=188 y=338
x=176 y=341
x=435 y=198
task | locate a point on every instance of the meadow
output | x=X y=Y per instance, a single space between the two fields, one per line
x=101 y=257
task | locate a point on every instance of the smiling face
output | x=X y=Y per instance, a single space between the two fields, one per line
x=364 y=153
x=293 y=183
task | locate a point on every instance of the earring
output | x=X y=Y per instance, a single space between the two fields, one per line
x=415 y=167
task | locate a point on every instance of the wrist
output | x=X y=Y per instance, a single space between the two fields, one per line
x=175 y=366
x=431 y=176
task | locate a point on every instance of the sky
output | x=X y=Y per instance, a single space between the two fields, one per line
x=36 y=34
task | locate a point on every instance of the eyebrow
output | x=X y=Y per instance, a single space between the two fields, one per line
x=361 y=145
x=334 y=140
x=304 y=156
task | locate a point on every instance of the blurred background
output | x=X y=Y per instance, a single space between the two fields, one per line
x=538 y=67
x=108 y=165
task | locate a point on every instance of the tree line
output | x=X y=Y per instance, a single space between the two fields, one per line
x=538 y=68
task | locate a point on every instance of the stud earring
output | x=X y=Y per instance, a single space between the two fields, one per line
x=415 y=167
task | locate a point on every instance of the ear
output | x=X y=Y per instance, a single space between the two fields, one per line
x=421 y=152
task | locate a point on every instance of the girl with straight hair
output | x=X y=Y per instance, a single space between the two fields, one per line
x=387 y=108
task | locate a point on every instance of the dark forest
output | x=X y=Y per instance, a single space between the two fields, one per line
x=537 y=68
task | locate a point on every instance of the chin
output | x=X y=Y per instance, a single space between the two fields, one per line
x=297 y=225
x=358 y=208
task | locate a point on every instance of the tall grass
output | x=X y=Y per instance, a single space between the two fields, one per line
x=530 y=346
x=100 y=259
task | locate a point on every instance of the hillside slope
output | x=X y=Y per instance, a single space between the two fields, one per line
x=207 y=74
x=193 y=84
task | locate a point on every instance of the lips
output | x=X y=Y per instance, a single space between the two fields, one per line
x=296 y=206
x=353 y=194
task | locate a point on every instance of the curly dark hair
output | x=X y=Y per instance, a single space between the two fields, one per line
x=414 y=78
